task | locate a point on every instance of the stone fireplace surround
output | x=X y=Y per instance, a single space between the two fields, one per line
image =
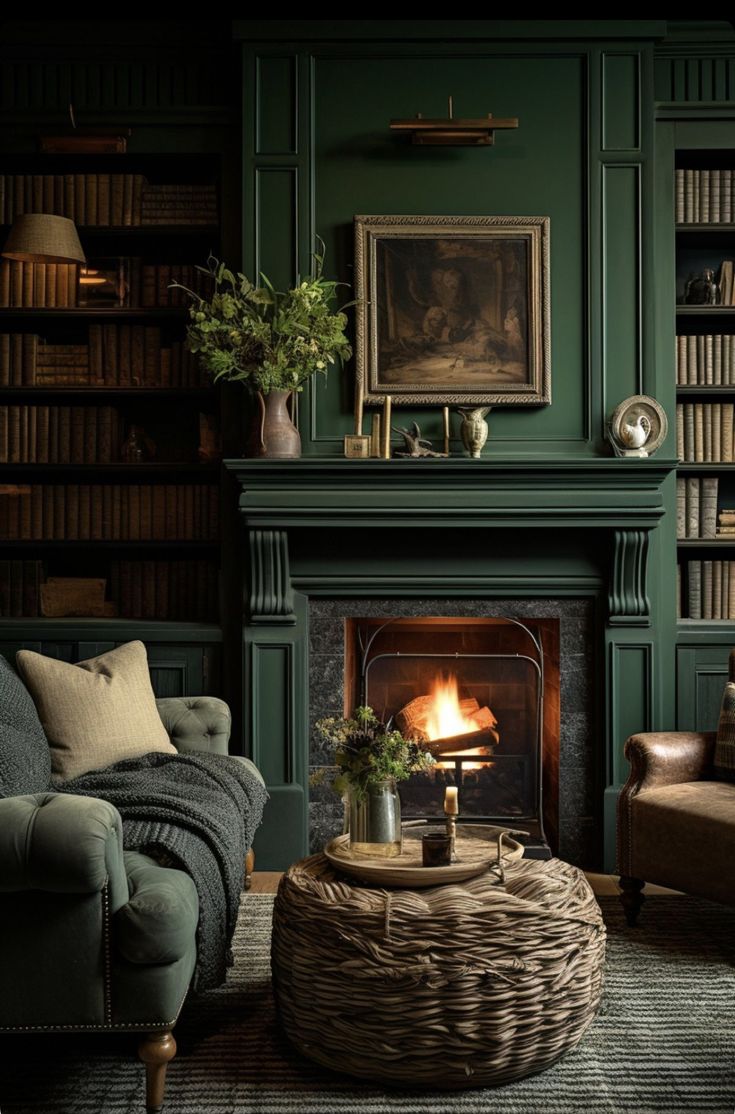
x=579 y=826
x=327 y=537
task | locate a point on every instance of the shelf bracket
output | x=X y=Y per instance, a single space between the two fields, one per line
x=628 y=601
x=270 y=595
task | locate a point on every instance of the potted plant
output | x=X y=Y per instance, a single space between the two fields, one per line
x=270 y=341
x=371 y=757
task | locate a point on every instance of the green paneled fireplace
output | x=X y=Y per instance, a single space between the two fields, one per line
x=340 y=539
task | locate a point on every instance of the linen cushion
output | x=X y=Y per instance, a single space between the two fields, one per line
x=724 y=763
x=25 y=761
x=97 y=712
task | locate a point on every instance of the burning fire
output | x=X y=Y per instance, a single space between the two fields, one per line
x=445 y=717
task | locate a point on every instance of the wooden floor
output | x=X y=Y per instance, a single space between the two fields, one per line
x=266 y=882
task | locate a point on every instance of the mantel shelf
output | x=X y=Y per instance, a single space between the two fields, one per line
x=516 y=492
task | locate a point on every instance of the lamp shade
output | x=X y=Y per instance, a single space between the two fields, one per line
x=43 y=238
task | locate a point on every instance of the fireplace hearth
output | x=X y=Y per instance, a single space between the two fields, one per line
x=541 y=773
x=472 y=689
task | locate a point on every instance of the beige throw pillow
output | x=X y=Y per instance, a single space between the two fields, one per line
x=97 y=712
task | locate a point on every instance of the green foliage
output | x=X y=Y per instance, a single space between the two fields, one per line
x=366 y=751
x=269 y=340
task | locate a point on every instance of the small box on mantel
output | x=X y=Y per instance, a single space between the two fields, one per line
x=357 y=446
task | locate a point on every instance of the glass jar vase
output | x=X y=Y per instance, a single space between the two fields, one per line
x=375 y=820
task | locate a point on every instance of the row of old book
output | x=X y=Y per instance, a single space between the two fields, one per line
x=172 y=590
x=111 y=512
x=20 y=588
x=167 y=590
x=703 y=360
x=709 y=591
x=111 y=200
x=38 y=285
x=125 y=283
x=115 y=356
x=60 y=434
x=705 y=196
x=696 y=506
x=704 y=432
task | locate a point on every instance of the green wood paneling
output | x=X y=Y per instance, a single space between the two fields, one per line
x=276 y=224
x=621 y=294
x=620 y=102
x=359 y=166
x=632 y=697
x=276 y=106
x=701 y=676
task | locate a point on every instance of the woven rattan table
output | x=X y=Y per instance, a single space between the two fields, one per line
x=465 y=985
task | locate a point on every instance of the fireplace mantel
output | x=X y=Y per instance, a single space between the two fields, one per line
x=328 y=491
x=441 y=529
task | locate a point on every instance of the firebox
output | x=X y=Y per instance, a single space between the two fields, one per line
x=483 y=694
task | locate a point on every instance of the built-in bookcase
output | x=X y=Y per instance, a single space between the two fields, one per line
x=705 y=385
x=85 y=356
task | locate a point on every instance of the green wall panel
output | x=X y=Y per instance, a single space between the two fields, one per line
x=276 y=224
x=539 y=170
x=270 y=684
x=632 y=693
x=621 y=323
x=276 y=106
x=620 y=102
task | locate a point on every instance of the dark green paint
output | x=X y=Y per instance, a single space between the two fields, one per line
x=621 y=102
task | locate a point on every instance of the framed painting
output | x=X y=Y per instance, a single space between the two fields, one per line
x=453 y=310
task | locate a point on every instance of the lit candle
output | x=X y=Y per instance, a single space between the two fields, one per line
x=451 y=803
x=359 y=404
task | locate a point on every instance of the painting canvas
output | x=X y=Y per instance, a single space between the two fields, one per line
x=453 y=309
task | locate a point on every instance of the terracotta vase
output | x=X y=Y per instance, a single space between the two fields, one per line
x=276 y=436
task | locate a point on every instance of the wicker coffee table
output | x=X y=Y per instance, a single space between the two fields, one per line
x=466 y=985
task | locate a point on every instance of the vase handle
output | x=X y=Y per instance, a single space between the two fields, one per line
x=261 y=402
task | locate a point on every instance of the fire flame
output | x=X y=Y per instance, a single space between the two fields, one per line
x=445 y=718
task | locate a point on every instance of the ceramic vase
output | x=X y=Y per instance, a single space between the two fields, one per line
x=276 y=436
x=473 y=429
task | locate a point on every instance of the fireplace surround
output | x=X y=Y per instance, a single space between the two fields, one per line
x=328 y=539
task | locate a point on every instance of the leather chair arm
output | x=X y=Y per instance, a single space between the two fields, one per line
x=660 y=758
x=60 y=843
x=196 y=723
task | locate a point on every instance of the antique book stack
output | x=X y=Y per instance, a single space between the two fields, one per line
x=704 y=360
x=171 y=590
x=704 y=432
x=107 y=200
x=113 y=512
x=38 y=285
x=705 y=196
x=20 y=588
x=59 y=435
x=696 y=507
x=710 y=592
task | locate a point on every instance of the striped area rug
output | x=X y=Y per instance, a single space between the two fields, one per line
x=664 y=1042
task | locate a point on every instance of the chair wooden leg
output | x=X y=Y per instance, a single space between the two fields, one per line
x=156 y=1050
x=631 y=898
x=249 y=867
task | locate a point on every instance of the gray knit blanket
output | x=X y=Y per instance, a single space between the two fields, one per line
x=198 y=812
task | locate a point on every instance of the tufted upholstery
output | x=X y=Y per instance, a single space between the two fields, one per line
x=194 y=723
x=62 y=844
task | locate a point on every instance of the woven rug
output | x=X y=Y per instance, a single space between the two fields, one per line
x=663 y=1042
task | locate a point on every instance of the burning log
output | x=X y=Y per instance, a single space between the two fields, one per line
x=412 y=719
x=481 y=742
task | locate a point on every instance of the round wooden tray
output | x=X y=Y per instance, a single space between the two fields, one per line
x=476 y=847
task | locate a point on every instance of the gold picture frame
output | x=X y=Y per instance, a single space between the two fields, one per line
x=453 y=310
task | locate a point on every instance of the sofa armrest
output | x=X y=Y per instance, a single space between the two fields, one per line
x=660 y=758
x=61 y=843
x=196 y=723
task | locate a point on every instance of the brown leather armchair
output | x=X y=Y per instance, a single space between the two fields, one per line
x=676 y=824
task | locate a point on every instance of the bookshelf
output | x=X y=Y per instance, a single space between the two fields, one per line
x=85 y=356
x=705 y=384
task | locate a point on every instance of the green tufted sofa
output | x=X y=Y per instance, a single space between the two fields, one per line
x=92 y=937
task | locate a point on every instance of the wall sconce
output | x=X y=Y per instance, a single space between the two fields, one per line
x=453 y=133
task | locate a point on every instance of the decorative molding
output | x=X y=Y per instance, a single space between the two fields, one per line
x=270 y=596
x=695 y=75
x=627 y=596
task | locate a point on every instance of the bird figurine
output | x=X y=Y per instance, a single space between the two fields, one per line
x=635 y=432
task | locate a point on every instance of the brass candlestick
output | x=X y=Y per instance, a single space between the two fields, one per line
x=452 y=833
